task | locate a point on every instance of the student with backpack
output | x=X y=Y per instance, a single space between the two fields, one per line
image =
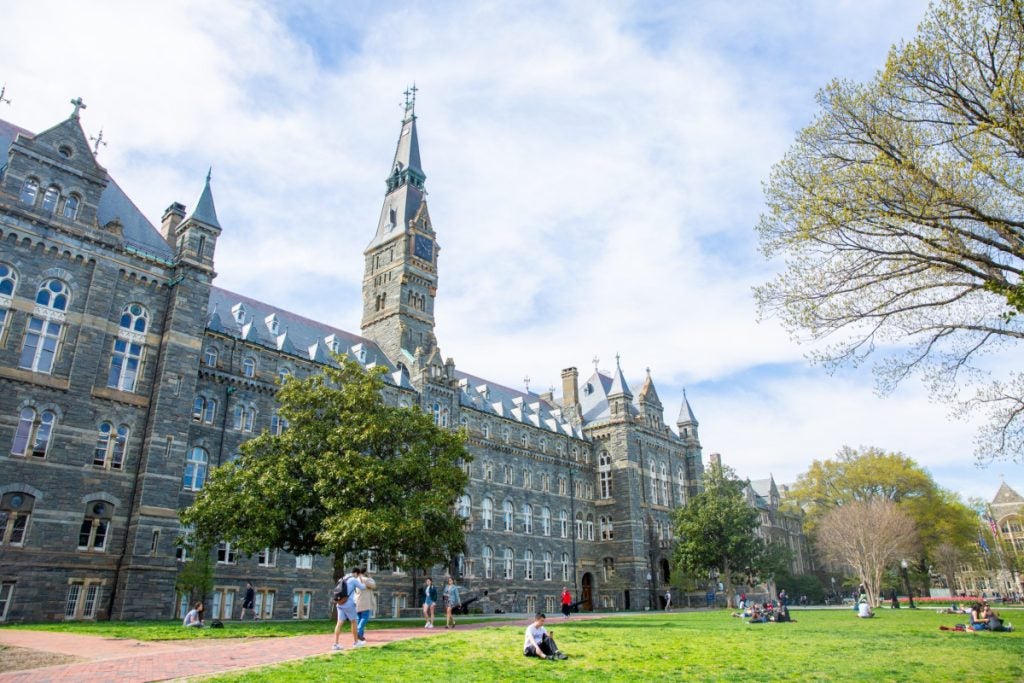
x=345 y=604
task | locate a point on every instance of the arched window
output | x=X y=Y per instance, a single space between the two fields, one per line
x=604 y=470
x=50 y=198
x=488 y=556
x=464 y=506
x=528 y=565
x=71 y=207
x=29 y=191
x=210 y=357
x=245 y=418
x=563 y=522
x=681 y=486
x=508 y=515
x=44 y=331
x=505 y=434
x=486 y=430
x=654 y=484
x=579 y=526
x=249 y=367
x=95 y=529
x=111 y=446
x=8 y=279
x=590 y=527
x=487 y=513
x=510 y=559
x=527 y=519
x=32 y=437
x=277 y=424
x=283 y=373
x=195 y=469
x=547 y=566
x=663 y=483
x=128 y=348
x=565 y=566
x=527 y=478
x=543 y=445
x=545 y=521
x=15 y=513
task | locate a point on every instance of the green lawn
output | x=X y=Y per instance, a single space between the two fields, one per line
x=824 y=645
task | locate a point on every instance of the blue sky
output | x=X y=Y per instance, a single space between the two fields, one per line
x=594 y=171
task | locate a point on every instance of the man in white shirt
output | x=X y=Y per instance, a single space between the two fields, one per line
x=538 y=643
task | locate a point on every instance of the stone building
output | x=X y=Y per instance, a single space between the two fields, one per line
x=126 y=376
x=998 y=567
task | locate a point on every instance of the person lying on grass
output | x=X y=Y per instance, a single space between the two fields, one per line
x=539 y=643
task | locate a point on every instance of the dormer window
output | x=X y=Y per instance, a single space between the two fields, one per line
x=333 y=343
x=50 y=199
x=588 y=388
x=272 y=324
x=238 y=311
x=29 y=191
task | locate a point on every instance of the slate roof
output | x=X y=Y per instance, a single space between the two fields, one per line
x=205 y=211
x=519 y=406
x=114 y=203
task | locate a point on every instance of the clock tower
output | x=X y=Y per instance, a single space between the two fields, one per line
x=400 y=275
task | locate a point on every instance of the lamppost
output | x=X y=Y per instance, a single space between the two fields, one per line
x=906 y=581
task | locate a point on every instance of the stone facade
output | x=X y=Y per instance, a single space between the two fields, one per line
x=998 y=567
x=127 y=375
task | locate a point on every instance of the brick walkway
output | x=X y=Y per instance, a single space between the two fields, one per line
x=117 y=660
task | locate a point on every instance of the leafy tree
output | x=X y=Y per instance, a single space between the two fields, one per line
x=350 y=474
x=716 y=530
x=898 y=214
x=871 y=473
x=195 y=579
x=868 y=536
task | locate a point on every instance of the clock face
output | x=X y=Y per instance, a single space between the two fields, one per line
x=423 y=248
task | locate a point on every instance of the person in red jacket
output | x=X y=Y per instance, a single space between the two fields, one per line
x=566 y=601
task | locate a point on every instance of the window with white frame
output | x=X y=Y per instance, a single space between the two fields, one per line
x=507 y=470
x=301 y=602
x=527 y=519
x=6 y=597
x=547 y=566
x=545 y=521
x=654 y=483
x=50 y=198
x=15 y=514
x=487 y=513
x=83 y=599
x=29 y=191
x=45 y=327
x=244 y=418
x=527 y=478
x=95 y=529
x=528 y=565
x=71 y=207
x=488 y=471
x=508 y=515
x=563 y=523
x=126 y=359
x=249 y=366
x=579 y=526
x=225 y=553
x=34 y=432
x=488 y=557
x=561 y=486
x=111 y=446
x=267 y=557
x=565 y=566
x=303 y=561
x=210 y=356
x=663 y=483
x=681 y=487
x=196 y=464
x=277 y=423
x=609 y=568
x=223 y=605
x=604 y=470
x=509 y=568
x=184 y=544
x=265 y=603
x=463 y=506
x=590 y=527
x=8 y=283
x=545 y=482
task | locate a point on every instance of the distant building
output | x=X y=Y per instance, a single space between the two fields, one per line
x=126 y=375
x=999 y=565
x=779 y=525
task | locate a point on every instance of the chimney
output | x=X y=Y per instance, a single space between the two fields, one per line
x=570 y=388
x=715 y=460
x=173 y=217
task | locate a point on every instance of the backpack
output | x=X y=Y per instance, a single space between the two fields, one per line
x=341 y=590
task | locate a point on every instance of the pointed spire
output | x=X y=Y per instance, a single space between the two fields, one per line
x=619 y=386
x=686 y=413
x=648 y=394
x=406 y=192
x=204 y=210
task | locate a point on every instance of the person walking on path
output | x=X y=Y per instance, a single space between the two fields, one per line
x=366 y=604
x=451 y=602
x=566 y=602
x=429 y=601
x=668 y=601
x=346 y=607
x=249 y=601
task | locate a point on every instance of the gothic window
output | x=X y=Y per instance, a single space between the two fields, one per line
x=204 y=409
x=488 y=557
x=488 y=471
x=195 y=469
x=654 y=484
x=590 y=527
x=527 y=565
x=249 y=367
x=510 y=559
x=8 y=281
x=32 y=437
x=15 y=512
x=681 y=487
x=283 y=373
x=95 y=529
x=543 y=445
x=71 y=207
x=545 y=482
x=579 y=526
x=527 y=519
x=50 y=198
x=526 y=440
x=505 y=434
x=547 y=566
x=83 y=599
x=561 y=486
x=527 y=478
x=277 y=424
x=42 y=336
x=111 y=446
x=604 y=470
x=29 y=191
x=487 y=513
x=545 y=521
x=128 y=348
x=508 y=473
x=210 y=357
x=565 y=566
x=663 y=484
x=508 y=515
x=486 y=429
x=563 y=523
x=575 y=454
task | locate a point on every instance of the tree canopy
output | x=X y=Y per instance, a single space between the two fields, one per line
x=716 y=530
x=349 y=474
x=898 y=213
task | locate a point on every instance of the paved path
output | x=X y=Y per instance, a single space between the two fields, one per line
x=133 y=661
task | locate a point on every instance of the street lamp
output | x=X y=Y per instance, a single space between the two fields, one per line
x=906 y=581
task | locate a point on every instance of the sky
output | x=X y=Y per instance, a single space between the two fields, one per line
x=594 y=172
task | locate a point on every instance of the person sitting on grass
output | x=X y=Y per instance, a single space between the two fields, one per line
x=864 y=610
x=539 y=643
x=194 y=618
x=991 y=620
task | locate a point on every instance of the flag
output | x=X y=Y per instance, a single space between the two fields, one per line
x=981 y=542
x=995 y=527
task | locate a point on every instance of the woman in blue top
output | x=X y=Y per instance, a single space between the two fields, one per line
x=429 y=600
x=451 y=601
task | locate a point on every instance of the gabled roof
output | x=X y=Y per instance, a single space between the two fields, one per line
x=524 y=407
x=647 y=392
x=686 y=413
